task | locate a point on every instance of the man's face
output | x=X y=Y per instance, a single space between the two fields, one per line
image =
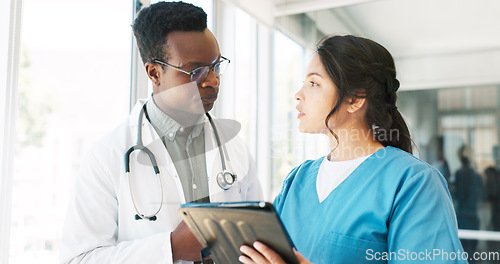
x=175 y=92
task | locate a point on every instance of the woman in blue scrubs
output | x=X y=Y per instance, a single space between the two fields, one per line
x=369 y=200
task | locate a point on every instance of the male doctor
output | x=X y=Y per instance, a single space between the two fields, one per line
x=117 y=217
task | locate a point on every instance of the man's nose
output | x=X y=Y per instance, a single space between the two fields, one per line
x=211 y=80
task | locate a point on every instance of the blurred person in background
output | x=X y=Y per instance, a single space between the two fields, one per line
x=493 y=193
x=469 y=194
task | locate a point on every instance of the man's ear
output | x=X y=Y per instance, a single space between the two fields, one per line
x=355 y=104
x=154 y=72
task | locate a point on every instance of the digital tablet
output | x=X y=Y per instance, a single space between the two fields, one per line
x=224 y=227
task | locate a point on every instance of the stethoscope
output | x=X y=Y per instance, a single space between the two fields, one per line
x=225 y=178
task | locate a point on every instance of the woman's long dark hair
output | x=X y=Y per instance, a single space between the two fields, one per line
x=362 y=68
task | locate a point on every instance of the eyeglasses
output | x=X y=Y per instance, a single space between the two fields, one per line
x=199 y=74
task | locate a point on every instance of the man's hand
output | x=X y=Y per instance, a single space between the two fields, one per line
x=185 y=246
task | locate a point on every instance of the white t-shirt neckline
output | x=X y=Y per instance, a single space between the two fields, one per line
x=332 y=173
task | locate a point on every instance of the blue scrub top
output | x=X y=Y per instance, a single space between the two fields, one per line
x=392 y=208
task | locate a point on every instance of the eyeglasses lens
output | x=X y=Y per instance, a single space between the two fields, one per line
x=200 y=74
x=221 y=67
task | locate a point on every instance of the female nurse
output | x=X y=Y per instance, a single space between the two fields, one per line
x=369 y=200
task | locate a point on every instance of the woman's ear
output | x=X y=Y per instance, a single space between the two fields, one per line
x=355 y=104
x=153 y=71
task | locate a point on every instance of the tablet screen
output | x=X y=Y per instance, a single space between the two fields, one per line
x=224 y=227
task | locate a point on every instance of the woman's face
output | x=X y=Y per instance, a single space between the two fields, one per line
x=316 y=98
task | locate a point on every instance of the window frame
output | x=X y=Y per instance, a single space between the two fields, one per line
x=10 y=31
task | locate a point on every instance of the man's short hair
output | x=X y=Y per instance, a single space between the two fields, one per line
x=154 y=22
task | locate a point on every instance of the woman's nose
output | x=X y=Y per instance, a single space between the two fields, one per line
x=298 y=95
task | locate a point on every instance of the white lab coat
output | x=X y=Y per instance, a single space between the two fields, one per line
x=100 y=225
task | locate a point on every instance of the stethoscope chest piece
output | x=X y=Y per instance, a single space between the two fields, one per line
x=226 y=179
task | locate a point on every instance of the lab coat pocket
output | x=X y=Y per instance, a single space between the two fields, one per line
x=233 y=194
x=243 y=190
x=346 y=249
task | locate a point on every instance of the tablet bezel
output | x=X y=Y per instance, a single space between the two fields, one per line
x=211 y=224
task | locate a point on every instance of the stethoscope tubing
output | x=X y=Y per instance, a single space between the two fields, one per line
x=219 y=144
x=221 y=180
x=140 y=146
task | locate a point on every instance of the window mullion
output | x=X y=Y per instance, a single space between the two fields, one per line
x=9 y=97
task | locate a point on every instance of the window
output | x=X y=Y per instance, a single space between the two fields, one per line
x=289 y=146
x=74 y=63
x=246 y=87
x=456 y=130
x=245 y=66
x=287 y=76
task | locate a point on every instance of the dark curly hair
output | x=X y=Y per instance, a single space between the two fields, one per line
x=362 y=68
x=154 y=22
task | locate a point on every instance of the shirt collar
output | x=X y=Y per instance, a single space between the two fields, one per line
x=166 y=126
